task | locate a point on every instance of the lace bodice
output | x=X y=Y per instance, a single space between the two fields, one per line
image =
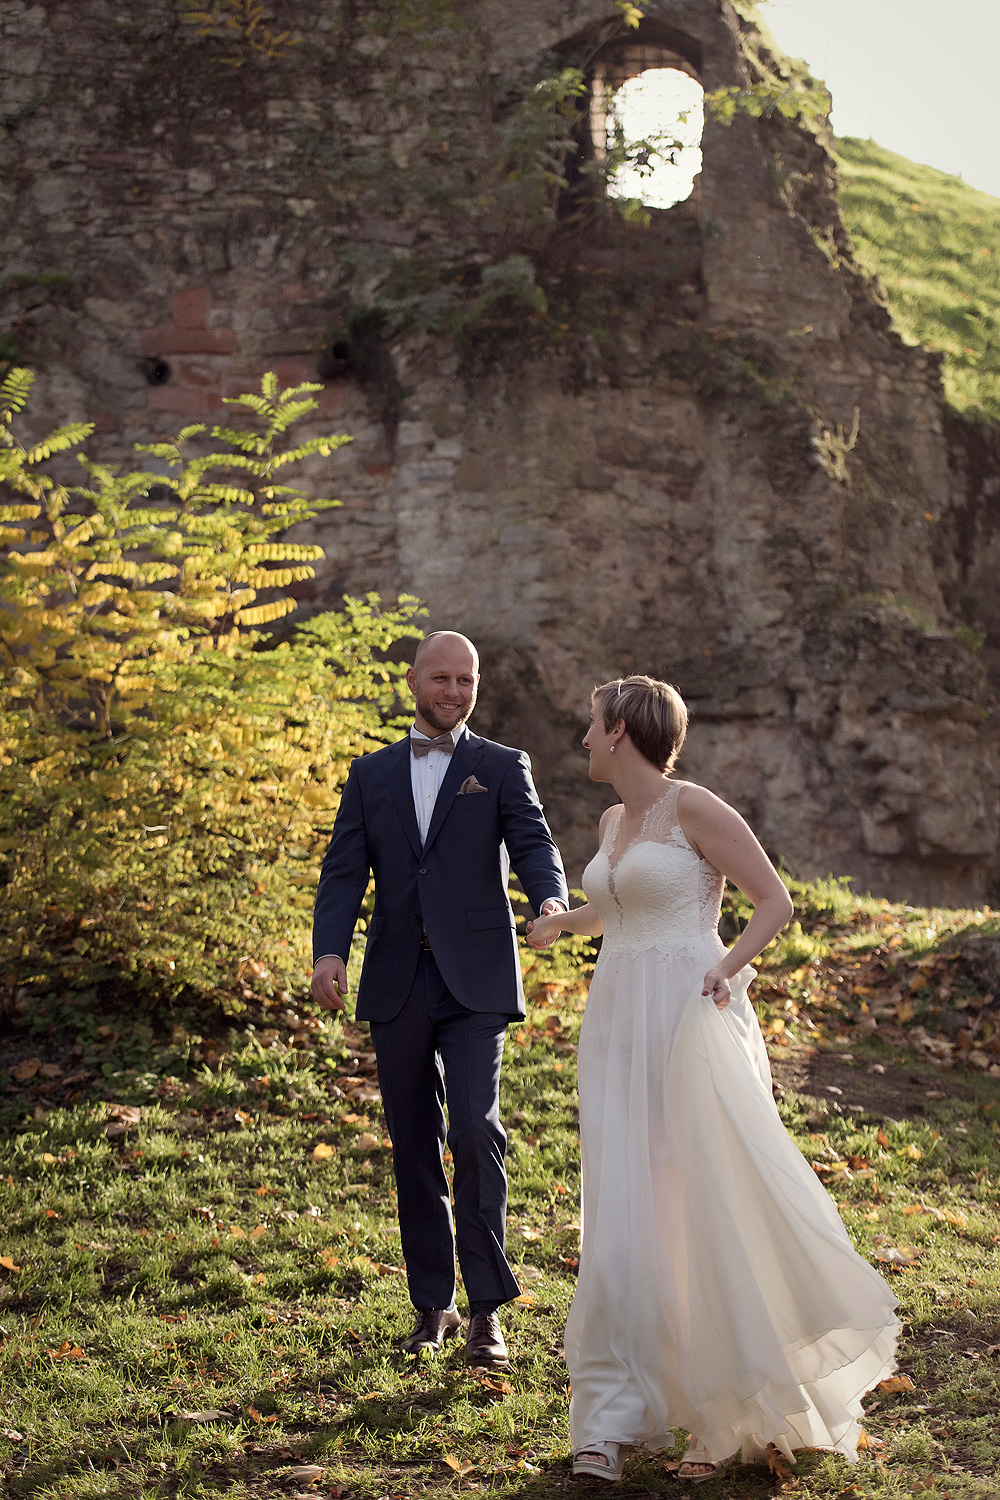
x=656 y=892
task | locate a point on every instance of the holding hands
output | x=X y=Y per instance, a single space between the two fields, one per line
x=543 y=931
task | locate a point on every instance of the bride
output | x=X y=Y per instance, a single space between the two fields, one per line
x=718 y=1289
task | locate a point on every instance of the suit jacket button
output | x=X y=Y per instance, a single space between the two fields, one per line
x=423 y=872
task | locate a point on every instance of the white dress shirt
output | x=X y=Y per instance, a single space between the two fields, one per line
x=426 y=776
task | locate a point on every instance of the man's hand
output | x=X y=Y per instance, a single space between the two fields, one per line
x=329 y=983
x=551 y=906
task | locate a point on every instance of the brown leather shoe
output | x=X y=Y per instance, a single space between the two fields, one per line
x=432 y=1328
x=484 y=1343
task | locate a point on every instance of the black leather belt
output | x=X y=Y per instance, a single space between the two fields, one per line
x=425 y=943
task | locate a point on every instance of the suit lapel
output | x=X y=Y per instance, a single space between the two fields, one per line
x=463 y=762
x=397 y=774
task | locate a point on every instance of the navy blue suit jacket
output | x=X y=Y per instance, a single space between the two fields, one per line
x=454 y=887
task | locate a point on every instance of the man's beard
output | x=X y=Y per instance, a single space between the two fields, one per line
x=430 y=716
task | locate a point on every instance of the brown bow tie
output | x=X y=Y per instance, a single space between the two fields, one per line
x=421 y=748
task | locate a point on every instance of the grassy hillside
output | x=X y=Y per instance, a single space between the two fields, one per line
x=935 y=244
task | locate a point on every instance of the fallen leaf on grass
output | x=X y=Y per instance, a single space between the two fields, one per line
x=50 y=1070
x=498 y=1387
x=255 y=1234
x=525 y=1299
x=387 y=1270
x=777 y=1463
x=307 y=1472
x=912 y=1151
x=462 y=1466
x=901 y=1256
x=528 y=1234
x=27 y=1069
x=255 y=1415
x=236 y=1232
x=8 y=1264
x=66 y=1350
x=322 y=1151
x=262 y=1192
x=213 y=1414
x=882 y=1138
x=329 y=1259
x=121 y=1118
x=11 y=1435
x=896 y=1383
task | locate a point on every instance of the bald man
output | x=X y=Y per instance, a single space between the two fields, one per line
x=439 y=818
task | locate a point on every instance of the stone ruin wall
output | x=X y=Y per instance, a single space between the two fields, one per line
x=666 y=484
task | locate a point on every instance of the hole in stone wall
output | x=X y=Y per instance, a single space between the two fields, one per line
x=156 y=371
x=647 y=110
x=335 y=360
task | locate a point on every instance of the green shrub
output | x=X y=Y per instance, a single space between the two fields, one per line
x=169 y=771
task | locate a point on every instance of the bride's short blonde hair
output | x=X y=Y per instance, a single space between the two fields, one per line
x=654 y=713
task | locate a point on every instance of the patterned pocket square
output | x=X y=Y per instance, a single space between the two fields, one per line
x=470 y=784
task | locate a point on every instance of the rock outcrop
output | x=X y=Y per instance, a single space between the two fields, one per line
x=694 y=447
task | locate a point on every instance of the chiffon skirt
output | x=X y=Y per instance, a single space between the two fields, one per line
x=718 y=1289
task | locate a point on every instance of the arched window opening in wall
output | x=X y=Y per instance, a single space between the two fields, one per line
x=646 y=121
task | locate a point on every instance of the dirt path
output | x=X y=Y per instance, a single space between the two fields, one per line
x=844 y=1082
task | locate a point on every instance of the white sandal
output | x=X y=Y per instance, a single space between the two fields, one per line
x=697 y=1457
x=599 y=1460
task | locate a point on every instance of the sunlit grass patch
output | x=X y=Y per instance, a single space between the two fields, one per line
x=932 y=240
x=211 y=1298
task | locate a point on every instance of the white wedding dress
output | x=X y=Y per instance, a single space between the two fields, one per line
x=718 y=1289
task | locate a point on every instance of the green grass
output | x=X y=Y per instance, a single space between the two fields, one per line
x=206 y=1260
x=935 y=244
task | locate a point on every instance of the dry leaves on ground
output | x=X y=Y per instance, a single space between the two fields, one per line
x=900 y=1257
x=896 y=1383
x=121 y=1117
x=322 y=1151
x=777 y=1463
x=462 y=1466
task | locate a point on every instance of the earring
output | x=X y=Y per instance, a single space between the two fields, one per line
x=612 y=749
